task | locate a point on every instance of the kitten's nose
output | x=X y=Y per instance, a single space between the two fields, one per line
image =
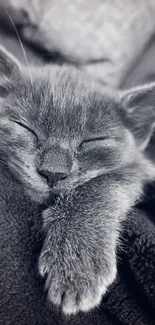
x=56 y=164
x=53 y=178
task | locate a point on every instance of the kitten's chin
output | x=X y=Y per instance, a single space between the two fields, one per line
x=38 y=196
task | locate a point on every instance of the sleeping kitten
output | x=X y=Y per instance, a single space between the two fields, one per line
x=66 y=138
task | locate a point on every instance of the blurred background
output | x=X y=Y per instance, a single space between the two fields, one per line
x=112 y=39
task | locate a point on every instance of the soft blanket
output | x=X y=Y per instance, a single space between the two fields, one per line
x=103 y=36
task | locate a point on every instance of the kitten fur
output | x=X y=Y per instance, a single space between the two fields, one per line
x=68 y=140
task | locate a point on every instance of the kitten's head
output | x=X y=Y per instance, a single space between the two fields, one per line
x=60 y=129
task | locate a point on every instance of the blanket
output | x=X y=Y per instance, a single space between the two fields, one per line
x=104 y=37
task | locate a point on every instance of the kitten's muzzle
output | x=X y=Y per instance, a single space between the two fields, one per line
x=56 y=165
x=53 y=178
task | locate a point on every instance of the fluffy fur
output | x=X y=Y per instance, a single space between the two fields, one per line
x=67 y=139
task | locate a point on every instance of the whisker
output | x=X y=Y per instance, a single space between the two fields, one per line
x=20 y=42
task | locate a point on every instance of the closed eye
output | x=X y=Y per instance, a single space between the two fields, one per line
x=93 y=139
x=25 y=127
x=99 y=142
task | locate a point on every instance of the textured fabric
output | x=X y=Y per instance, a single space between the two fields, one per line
x=88 y=30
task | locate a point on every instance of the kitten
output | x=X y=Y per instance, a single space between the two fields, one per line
x=66 y=138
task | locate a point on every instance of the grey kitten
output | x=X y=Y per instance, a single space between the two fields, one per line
x=67 y=138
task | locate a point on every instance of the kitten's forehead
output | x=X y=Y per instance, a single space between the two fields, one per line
x=64 y=102
x=79 y=98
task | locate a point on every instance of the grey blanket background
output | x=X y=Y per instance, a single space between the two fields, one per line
x=88 y=31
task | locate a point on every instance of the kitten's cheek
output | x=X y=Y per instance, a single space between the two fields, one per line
x=38 y=197
x=38 y=192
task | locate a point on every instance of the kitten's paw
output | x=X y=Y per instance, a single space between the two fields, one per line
x=74 y=287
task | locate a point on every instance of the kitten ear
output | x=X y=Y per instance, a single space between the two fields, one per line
x=139 y=104
x=9 y=66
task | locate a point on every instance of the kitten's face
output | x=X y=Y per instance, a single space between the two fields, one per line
x=61 y=132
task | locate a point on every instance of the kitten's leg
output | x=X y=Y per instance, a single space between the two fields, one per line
x=79 y=260
x=79 y=253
